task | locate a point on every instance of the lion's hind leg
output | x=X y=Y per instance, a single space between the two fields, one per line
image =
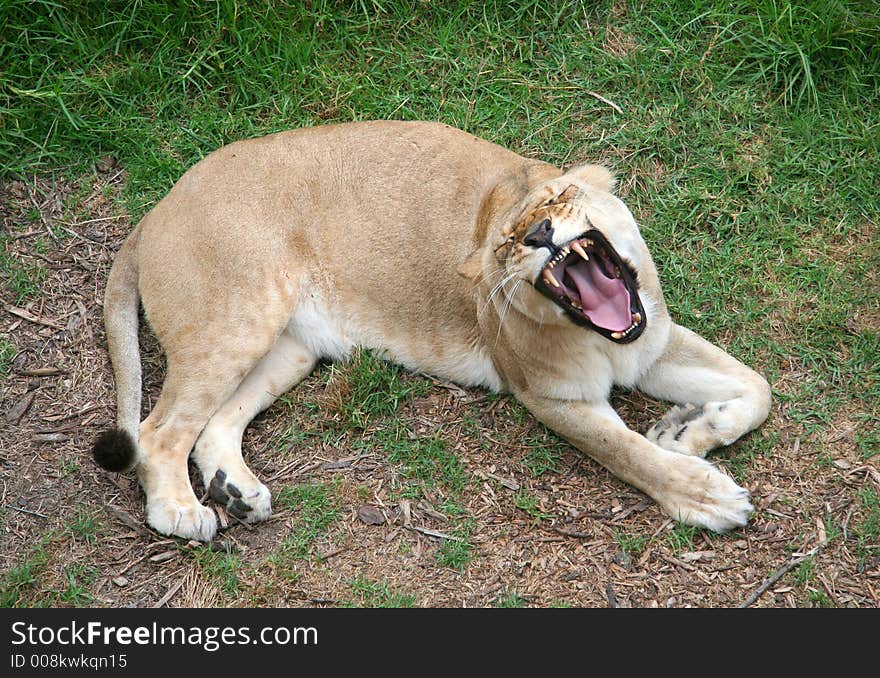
x=217 y=454
x=718 y=398
x=197 y=383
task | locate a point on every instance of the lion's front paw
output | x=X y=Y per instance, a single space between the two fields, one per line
x=247 y=499
x=705 y=497
x=190 y=521
x=686 y=429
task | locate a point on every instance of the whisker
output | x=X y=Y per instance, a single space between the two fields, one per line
x=496 y=289
x=506 y=308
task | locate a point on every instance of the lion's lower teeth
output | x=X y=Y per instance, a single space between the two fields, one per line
x=576 y=304
x=637 y=317
x=617 y=335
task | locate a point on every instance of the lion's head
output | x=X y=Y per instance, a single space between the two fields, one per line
x=574 y=243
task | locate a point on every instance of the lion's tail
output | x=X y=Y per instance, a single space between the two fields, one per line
x=117 y=449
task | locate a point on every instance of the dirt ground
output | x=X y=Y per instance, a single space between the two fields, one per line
x=58 y=395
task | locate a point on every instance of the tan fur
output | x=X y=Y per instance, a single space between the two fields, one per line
x=406 y=238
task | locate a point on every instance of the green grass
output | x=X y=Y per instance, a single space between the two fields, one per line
x=22 y=276
x=367 y=593
x=366 y=388
x=422 y=462
x=868 y=442
x=8 y=351
x=84 y=527
x=527 y=502
x=681 y=537
x=220 y=565
x=23 y=577
x=546 y=453
x=804 y=573
x=746 y=148
x=77 y=579
x=316 y=508
x=459 y=552
x=867 y=530
x=511 y=599
x=631 y=544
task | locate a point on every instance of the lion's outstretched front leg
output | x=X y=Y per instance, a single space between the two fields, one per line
x=719 y=399
x=688 y=488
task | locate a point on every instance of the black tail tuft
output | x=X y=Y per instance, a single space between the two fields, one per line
x=115 y=450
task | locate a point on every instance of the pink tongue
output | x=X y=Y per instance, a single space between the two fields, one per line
x=605 y=300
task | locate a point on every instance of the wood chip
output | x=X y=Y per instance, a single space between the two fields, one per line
x=126 y=519
x=50 y=437
x=405 y=509
x=370 y=515
x=435 y=533
x=41 y=372
x=169 y=594
x=694 y=556
x=820 y=526
x=509 y=483
x=163 y=557
x=16 y=412
x=120 y=581
x=431 y=511
x=30 y=317
x=222 y=517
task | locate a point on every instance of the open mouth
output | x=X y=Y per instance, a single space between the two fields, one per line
x=590 y=281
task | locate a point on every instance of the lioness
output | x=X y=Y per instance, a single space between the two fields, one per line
x=446 y=253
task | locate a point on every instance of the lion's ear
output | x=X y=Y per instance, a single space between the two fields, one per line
x=471 y=267
x=595 y=175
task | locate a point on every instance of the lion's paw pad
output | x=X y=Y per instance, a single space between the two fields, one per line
x=681 y=429
x=248 y=500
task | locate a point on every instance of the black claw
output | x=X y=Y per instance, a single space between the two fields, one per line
x=220 y=476
x=680 y=432
x=233 y=490
x=239 y=509
x=217 y=493
x=693 y=414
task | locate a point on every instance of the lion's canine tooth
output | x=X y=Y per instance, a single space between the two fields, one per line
x=576 y=246
x=617 y=335
x=637 y=317
x=548 y=276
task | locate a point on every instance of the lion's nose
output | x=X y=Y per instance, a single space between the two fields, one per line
x=540 y=235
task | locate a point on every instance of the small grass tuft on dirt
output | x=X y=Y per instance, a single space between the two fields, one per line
x=316 y=508
x=77 y=579
x=867 y=530
x=8 y=351
x=422 y=462
x=22 y=276
x=367 y=593
x=511 y=599
x=84 y=527
x=366 y=388
x=545 y=454
x=22 y=578
x=221 y=565
x=528 y=503
x=457 y=553
x=630 y=544
x=681 y=537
